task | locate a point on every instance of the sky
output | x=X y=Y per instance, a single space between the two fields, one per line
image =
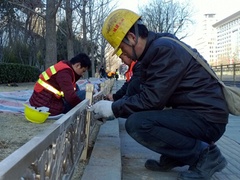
x=222 y=9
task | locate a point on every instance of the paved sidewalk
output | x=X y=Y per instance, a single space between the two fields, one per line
x=117 y=156
x=134 y=156
x=105 y=160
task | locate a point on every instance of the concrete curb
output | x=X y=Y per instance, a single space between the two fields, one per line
x=105 y=159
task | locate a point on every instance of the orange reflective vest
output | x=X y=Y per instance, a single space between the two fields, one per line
x=129 y=72
x=42 y=82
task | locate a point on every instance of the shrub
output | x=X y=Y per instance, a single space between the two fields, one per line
x=17 y=73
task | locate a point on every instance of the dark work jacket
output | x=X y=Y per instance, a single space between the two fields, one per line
x=132 y=86
x=62 y=81
x=171 y=77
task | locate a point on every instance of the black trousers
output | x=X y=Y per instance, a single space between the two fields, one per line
x=176 y=133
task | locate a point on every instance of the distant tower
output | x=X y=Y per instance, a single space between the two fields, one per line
x=207 y=38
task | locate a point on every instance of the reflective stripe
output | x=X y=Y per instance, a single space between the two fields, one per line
x=53 y=70
x=45 y=75
x=50 y=88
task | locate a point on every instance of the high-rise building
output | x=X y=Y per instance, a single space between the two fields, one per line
x=228 y=39
x=206 y=40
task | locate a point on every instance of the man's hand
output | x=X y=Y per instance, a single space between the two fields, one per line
x=109 y=97
x=102 y=109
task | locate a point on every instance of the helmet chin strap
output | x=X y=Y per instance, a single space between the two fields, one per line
x=134 y=54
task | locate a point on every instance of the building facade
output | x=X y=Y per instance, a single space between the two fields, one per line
x=206 y=41
x=228 y=40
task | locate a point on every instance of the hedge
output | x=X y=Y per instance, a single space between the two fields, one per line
x=17 y=73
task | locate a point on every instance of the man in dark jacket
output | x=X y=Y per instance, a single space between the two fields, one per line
x=56 y=87
x=102 y=72
x=184 y=134
x=132 y=85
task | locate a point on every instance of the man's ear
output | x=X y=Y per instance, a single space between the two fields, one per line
x=132 y=38
x=79 y=65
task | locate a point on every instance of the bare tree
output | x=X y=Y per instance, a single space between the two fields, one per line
x=23 y=35
x=91 y=15
x=167 y=16
x=103 y=11
x=97 y=12
x=69 y=23
x=82 y=22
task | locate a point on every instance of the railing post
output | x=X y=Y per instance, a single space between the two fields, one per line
x=107 y=86
x=102 y=86
x=221 y=74
x=89 y=95
x=234 y=74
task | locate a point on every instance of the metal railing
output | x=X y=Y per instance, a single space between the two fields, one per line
x=228 y=73
x=54 y=153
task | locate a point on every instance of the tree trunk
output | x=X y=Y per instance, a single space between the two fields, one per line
x=91 y=38
x=84 y=26
x=51 y=35
x=70 y=49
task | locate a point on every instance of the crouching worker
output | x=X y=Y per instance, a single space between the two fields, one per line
x=56 y=87
x=170 y=77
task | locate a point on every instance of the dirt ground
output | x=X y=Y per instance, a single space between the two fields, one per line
x=15 y=130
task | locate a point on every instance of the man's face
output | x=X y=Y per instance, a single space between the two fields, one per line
x=127 y=48
x=79 y=69
x=126 y=60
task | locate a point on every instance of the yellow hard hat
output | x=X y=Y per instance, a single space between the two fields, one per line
x=35 y=115
x=119 y=52
x=116 y=26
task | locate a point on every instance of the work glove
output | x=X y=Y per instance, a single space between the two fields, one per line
x=102 y=110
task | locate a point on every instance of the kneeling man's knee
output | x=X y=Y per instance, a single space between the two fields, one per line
x=132 y=124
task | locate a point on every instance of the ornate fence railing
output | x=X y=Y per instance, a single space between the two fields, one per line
x=55 y=153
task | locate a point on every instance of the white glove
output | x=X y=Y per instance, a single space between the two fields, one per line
x=102 y=109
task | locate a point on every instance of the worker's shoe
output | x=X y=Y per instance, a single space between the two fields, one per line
x=211 y=160
x=165 y=164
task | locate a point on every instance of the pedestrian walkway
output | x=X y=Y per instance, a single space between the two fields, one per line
x=134 y=156
x=117 y=156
